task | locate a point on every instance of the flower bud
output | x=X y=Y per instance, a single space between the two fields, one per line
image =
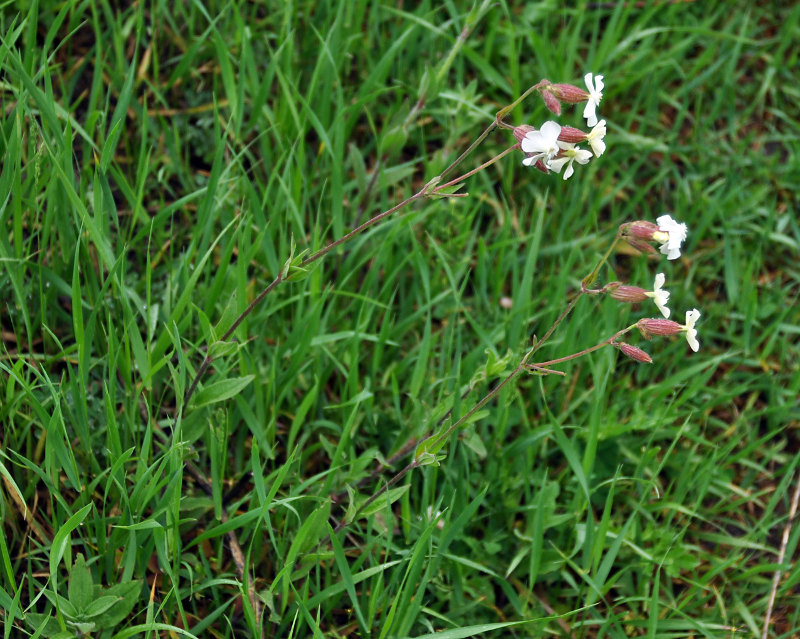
x=521 y=131
x=668 y=232
x=551 y=102
x=541 y=166
x=630 y=294
x=568 y=93
x=635 y=353
x=640 y=245
x=641 y=228
x=640 y=231
x=649 y=327
x=573 y=135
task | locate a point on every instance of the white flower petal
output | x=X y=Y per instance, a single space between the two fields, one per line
x=582 y=156
x=599 y=85
x=557 y=164
x=551 y=130
x=527 y=143
x=595 y=138
x=589 y=113
x=661 y=298
x=543 y=144
x=533 y=142
x=595 y=89
x=691 y=337
x=598 y=147
x=676 y=232
x=691 y=332
x=659 y=295
x=570 y=170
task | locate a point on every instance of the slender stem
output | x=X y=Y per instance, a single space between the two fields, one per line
x=360 y=228
x=502 y=113
x=373 y=497
x=475 y=170
x=280 y=278
x=470 y=148
x=585 y=283
x=558 y=321
x=498 y=121
x=523 y=365
x=590 y=279
x=326 y=249
x=567 y=358
x=586 y=351
x=488 y=397
x=414 y=463
x=208 y=359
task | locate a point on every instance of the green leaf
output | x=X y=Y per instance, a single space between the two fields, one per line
x=117 y=124
x=448 y=191
x=291 y=267
x=61 y=539
x=429 y=459
x=79 y=590
x=127 y=595
x=310 y=532
x=222 y=349
x=347 y=578
x=222 y=390
x=291 y=260
x=63 y=604
x=428 y=85
x=46 y=625
x=385 y=500
x=474 y=442
x=100 y=605
x=83 y=627
x=393 y=140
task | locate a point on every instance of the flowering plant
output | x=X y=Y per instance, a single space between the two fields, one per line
x=551 y=147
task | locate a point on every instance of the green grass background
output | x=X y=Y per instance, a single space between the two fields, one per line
x=158 y=161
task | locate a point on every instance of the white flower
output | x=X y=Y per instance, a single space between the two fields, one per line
x=672 y=234
x=595 y=138
x=659 y=295
x=571 y=153
x=542 y=143
x=595 y=95
x=691 y=332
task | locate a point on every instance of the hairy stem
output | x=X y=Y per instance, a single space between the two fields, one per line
x=461 y=178
x=280 y=278
x=586 y=351
x=377 y=494
x=522 y=366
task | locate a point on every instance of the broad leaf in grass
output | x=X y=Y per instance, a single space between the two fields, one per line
x=100 y=605
x=63 y=604
x=127 y=594
x=222 y=390
x=46 y=625
x=79 y=590
x=384 y=500
x=82 y=627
